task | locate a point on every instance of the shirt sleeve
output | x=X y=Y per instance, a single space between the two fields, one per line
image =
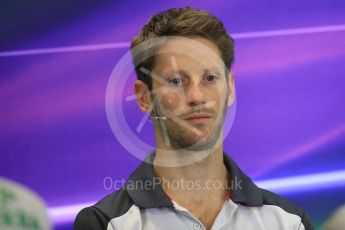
x=306 y=223
x=90 y=218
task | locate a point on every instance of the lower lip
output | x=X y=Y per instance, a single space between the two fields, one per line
x=200 y=120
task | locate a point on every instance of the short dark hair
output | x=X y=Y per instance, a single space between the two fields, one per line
x=185 y=21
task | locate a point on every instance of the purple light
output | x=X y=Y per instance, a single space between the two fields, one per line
x=66 y=214
x=304 y=148
x=294 y=31
x=66 y=49
x=304 y=182
x=255 y=34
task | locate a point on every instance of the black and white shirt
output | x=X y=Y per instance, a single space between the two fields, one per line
x=135 y=208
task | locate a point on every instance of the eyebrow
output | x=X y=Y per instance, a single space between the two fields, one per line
x=216 y=70
x=171 y=72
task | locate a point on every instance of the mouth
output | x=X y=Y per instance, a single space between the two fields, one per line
x=198 y=119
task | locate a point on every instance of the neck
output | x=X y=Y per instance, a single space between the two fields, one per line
x=202 y=165
x=196 y=168
x=187 y=179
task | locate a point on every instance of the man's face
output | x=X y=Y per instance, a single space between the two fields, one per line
x=190 y=89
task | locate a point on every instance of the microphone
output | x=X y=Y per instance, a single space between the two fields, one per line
x=158 y=118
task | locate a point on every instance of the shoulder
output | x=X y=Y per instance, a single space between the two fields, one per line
x=270 y=198
x=99 y=215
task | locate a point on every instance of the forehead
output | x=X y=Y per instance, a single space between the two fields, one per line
x=188 y=53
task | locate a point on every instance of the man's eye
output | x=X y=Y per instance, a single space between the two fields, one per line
x=210 y=77
x=176 y=81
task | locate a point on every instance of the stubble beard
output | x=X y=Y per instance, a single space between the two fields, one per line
x=183 y=139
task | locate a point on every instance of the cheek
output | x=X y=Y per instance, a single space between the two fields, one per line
x=222 y=92
x=218 y=97
x=171 y=102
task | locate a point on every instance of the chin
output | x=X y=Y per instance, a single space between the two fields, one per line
x=202 y=144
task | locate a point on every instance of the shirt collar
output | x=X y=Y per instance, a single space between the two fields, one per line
x=144 y=189
x=245 y=192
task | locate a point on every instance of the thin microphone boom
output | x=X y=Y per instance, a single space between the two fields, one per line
x=158 y=118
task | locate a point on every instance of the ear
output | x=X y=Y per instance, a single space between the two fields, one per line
x=231 y=87
x=142 y=94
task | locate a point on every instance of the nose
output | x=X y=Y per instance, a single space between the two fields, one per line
x=195 y=96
